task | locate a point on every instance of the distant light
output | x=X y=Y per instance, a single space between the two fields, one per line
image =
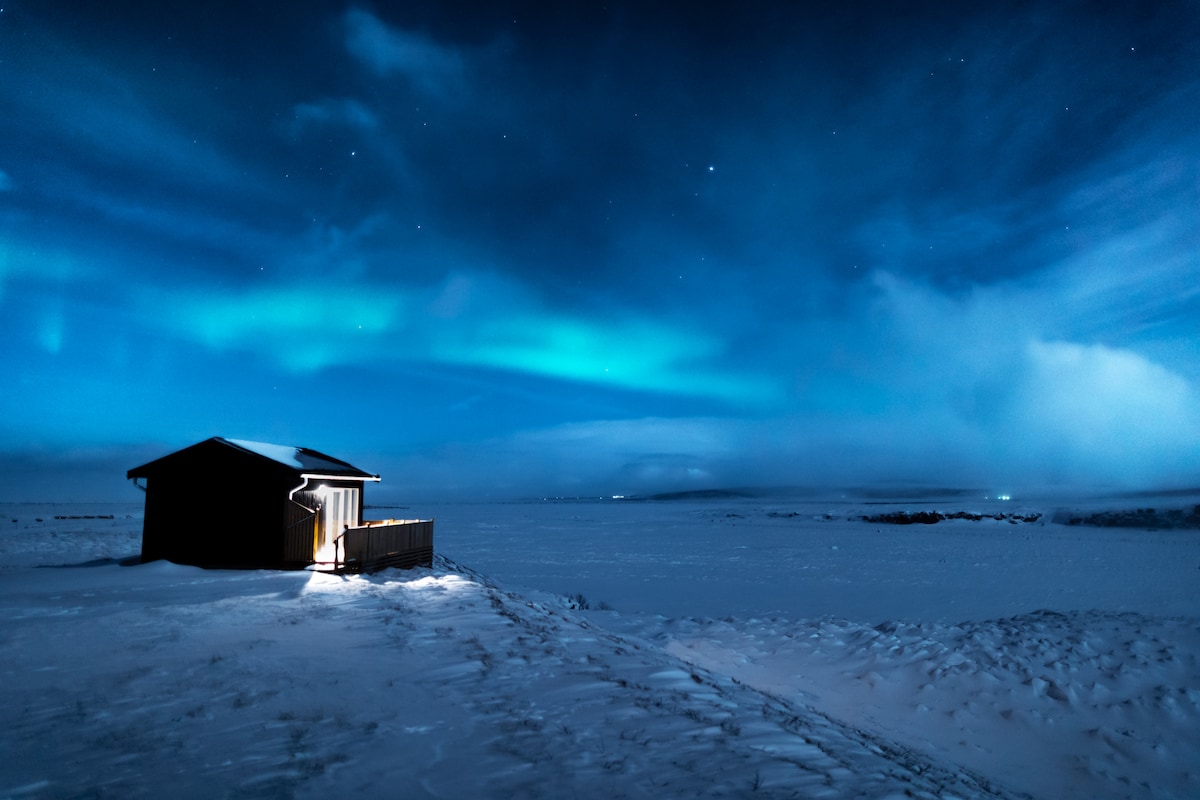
x=1004 y=497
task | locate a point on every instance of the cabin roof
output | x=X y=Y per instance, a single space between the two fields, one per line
x=303 y=460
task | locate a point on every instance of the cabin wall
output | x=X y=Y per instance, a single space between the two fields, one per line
x=156 y=526
x=217 y=509
x=238 y=528
x=299 y=535
x=311 y=498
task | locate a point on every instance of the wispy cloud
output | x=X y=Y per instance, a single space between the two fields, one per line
x=46 y=269
x=989 y=371
x=430 y=67
x=116 y=115
x=615 y=456
x=333 y=111
x=1109 y=413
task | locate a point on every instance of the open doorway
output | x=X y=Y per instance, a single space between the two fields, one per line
x=339 y=510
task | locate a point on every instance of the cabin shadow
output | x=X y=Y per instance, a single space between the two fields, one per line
x=125 y=561
x=236 y=504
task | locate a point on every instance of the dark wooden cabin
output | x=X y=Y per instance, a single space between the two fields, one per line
x=238 y=504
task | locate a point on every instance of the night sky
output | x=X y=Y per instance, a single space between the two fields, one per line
x=507 y=249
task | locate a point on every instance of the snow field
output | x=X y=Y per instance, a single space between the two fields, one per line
x=816 y=558
x=1077 y=705
x=125 y=681
x=750 y=650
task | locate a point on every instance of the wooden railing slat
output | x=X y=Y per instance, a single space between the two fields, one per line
x=406 y=543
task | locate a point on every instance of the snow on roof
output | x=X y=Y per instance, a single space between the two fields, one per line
x=301 y=458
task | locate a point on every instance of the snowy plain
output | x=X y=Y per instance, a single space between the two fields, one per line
x=730 y=647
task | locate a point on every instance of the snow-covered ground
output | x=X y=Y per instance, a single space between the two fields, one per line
x=731 y=647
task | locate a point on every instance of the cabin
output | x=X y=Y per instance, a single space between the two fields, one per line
x=230 y=503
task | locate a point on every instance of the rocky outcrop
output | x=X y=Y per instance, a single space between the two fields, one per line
x=1139 y=518
x=931 y=517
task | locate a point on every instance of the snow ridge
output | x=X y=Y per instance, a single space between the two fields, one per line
x=257 y=684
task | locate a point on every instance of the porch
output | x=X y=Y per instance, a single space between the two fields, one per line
x=378 y=544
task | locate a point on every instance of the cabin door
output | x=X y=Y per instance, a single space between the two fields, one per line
x=339 y=511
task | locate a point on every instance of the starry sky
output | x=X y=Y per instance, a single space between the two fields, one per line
x=501 y=249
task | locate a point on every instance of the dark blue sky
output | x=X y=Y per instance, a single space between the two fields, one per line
x=513 y=248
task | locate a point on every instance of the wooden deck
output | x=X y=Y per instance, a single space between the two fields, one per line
x=376 y=545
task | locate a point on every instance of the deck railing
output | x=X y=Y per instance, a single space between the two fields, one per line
x=379 y=544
